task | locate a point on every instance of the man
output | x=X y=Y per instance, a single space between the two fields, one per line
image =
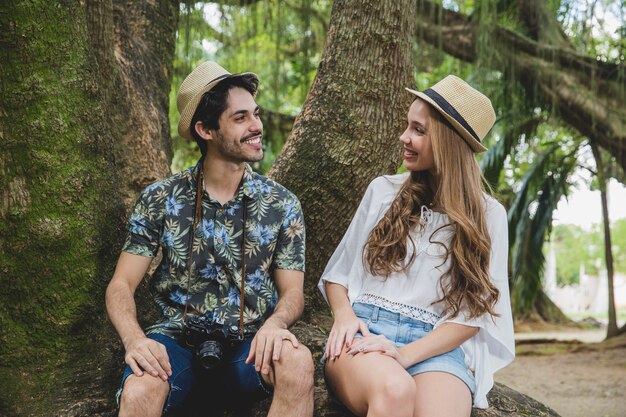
x=238 y=215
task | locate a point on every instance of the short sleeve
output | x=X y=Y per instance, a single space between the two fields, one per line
x=144 y=225
x=345 y=266
x=493 y=347
x=290 y=245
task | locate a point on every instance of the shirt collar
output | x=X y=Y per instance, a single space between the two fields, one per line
x=250 y=187
x=249 y=183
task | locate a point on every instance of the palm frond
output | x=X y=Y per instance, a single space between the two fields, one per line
x=534 y=224
x=492 y=162
x=531 y=183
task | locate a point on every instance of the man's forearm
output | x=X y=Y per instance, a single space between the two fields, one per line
x=122 y=311
x=288 y=309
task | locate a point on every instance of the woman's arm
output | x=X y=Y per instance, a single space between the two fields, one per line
x=443 y=339
x=346 y=324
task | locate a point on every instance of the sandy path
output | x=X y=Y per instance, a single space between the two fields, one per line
x=578 y=384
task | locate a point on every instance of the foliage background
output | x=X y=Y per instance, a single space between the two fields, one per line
x=535 y=158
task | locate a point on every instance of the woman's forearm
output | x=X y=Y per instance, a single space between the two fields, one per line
x=338 y=299
x=443 y=339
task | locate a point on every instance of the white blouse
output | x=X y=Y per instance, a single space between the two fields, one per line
x=413 y=291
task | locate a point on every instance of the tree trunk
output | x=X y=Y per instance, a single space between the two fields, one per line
x=144 y=45
x=78 y=81
x=611 y=330
x=83 y=126
x=347 y=131
x=548 y=311
x=585 y=93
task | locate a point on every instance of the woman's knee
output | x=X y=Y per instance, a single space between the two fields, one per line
x=393 y=396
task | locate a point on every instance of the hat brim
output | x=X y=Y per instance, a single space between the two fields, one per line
x=474 y=144
x=184 y=123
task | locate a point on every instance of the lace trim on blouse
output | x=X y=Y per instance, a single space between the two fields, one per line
x=406 y=310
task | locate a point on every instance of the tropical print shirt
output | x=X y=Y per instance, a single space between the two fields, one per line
x=275 y=235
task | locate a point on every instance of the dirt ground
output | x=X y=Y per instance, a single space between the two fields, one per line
x=573 y=378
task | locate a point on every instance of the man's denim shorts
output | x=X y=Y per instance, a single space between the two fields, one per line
x=232 y=379
x=403 y=330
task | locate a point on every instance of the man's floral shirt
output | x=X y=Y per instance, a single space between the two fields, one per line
x=163 y=216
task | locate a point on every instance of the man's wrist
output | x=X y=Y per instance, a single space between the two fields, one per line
x=130 y=339
x=277 y=322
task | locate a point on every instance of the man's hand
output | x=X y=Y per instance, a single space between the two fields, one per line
x=149 y=355
x=267 y=344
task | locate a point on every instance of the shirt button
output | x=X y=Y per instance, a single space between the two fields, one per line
x=219 y=241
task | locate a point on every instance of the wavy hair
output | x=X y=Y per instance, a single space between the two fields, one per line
x=459 y=192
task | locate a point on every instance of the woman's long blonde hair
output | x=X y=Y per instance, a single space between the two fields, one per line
x=460 y=194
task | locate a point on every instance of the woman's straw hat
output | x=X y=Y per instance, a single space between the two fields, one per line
x=202 y=79
x=468 y=110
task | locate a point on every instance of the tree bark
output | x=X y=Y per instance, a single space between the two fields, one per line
x=144 y=46
x=82 y=84
x=585 y=93
x=347 y=131
x=611 y=330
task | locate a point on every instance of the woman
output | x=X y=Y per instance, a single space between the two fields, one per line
x=418 y=285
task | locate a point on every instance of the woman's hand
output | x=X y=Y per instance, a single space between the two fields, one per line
x=345 y=326
x=379 y=343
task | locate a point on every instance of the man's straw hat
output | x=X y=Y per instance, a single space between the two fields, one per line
x=202 y=79
x=468 y=110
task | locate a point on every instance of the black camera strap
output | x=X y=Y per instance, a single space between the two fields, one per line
x=196 y=218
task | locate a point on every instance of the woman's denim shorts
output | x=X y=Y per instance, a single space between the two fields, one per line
x=403 y=330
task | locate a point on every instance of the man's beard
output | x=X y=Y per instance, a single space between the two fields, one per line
x=230 y=151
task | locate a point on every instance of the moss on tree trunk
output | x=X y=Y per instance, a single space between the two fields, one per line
x=66 y=115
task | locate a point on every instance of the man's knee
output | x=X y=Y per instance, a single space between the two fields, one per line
x=145 y=392
x=295 y=364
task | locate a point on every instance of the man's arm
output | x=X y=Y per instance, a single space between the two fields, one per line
x=268 y=341
x=141 y=352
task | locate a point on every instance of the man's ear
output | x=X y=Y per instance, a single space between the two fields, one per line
x=203 y=132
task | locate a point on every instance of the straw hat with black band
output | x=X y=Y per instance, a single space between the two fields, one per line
x=468 y=110
x=201 y=80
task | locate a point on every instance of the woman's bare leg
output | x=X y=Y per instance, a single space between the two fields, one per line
x=439 y=394
x=372 y=385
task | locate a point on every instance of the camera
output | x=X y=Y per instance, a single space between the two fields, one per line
x=209 y=339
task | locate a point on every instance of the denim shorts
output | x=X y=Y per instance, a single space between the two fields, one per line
x=232 y=379
x=403 y=330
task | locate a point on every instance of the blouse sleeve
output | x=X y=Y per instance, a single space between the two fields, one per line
x=345 y=266
x=493 y=347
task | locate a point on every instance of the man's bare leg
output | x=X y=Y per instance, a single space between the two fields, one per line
x=143 y=396
x=292 y=379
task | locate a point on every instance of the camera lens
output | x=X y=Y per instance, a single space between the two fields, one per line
x=210 y=354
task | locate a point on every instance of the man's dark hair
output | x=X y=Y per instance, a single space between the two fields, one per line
x=213 y=103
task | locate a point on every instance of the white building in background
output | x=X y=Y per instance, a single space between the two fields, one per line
x=590 y=295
